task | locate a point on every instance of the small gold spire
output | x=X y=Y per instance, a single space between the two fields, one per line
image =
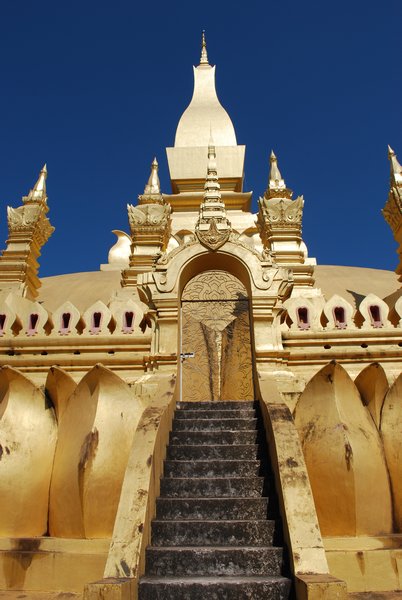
x=38 y=192
x=153 y=186
x=276 y=183
x=396 y=168
x=204 y=54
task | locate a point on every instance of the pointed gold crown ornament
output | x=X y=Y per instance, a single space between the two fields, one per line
x=204 y=54
x=213 y=228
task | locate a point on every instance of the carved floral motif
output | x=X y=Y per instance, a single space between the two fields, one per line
x=212 y=238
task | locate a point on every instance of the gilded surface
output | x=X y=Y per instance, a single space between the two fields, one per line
x=216 y=327
x=344 y=457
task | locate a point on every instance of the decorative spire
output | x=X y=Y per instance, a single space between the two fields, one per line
x=396 y=168
x=38 y=192
x=204 y=54
x=213 y=228
x=28 y=230
x=152 y=192
x=153 y=186
x=276 y=184
x=392 y=210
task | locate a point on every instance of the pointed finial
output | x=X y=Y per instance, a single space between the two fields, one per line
x=153 y=186
x=276 y=183
x=38 y=192
x=275 y=177
x=204 y=54
x=396 y=168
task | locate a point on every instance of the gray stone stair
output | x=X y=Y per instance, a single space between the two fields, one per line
x=211 y=468
x=214 y=532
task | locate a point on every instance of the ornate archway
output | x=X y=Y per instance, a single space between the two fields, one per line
x=215 y=326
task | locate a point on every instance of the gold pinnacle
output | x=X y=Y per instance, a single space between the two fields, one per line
x=204 y=54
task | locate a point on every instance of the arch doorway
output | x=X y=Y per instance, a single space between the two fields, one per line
x=215 y=326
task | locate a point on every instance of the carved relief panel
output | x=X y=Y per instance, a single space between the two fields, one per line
x=216 y=327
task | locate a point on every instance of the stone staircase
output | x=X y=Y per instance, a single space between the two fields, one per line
x=213 y=535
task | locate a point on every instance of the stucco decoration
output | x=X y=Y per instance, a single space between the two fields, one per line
x=28 y=433
x=339 y=313
x=34 y=318
x=59 y=387
x=303 y=314
x=216 y=328
x=374 y=312
x=391 y=428
x=119 y=253
x=344 y=456
x=392 y=210
x=65 y=320
x=28 y=230
x=7 y=319
x=128 y=315
x=97 y=319
x=398 y=310
x=372 y=384
x=261 y=273
x=95 y=436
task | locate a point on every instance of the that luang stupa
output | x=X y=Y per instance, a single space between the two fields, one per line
x=211 y=414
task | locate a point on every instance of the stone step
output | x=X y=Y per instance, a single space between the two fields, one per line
x=214 y=588
x=212 y=508
x=215 y=414
x=225 y=405
x=212 y=487
x=244 y=560
x=211 y=468
x=214 y=533
x=203 y=452
x=214 y=437
x=214 y=424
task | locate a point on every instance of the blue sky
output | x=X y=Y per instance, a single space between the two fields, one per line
x=96 y=89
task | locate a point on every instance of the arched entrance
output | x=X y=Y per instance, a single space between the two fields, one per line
x=215 y=326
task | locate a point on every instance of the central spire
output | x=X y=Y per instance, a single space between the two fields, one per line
x=204 y=111
x=188 y=158
x=204 y=54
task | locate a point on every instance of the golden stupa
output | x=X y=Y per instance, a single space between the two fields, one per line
x=202 y=301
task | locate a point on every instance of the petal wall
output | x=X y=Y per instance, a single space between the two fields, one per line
x=28 y=433
x=344 y=457
x=95 y=436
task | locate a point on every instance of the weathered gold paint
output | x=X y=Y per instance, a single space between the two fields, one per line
x=95 y=437
x=167 y=256
x=60 y=386
x=51 y=564
x=216 y=328
x=372 y=384
x=391 y=432
x=344 y=456
x=28 y=433
x=136 y=509
x=306 y=551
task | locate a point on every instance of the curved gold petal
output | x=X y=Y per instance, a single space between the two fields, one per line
x=373 y=385
x=344 y=456
x=60 y=386
x=95 y=437
x=391 y=431
x=28 y=434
